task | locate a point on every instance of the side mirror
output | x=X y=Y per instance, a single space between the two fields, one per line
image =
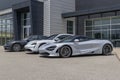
x=57 y=39
x=76 y=40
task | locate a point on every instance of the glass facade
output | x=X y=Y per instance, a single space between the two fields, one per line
x=6 y=28
x=103 y=28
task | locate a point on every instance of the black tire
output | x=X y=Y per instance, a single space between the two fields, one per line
x=16 y=47
x=107 y=49
x=65 y=52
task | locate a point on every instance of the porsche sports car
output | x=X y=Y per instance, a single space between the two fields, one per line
x=19 y=45
x=33 y=46
x=76 y=45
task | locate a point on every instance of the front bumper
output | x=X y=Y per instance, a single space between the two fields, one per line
x=31 y=49
x=6 y=47
x=44 y=52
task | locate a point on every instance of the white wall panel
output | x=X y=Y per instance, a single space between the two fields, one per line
x=6 y=11
x=47 y=17
x=57 y=7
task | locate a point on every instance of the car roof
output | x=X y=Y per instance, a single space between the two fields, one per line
x=79 y=36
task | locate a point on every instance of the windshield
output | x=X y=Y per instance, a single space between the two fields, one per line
x=27 y=38
x=52 y=37
x=31 y=37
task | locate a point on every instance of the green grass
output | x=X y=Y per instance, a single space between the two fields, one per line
x=6 y=35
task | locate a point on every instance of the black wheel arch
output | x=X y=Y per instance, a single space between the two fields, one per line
x=107 y=44
x=63 y=46
x=22 y=46
x=41 y=44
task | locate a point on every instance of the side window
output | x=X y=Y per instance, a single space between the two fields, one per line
x=42 y=37
x=63 y=37
x=81 y=39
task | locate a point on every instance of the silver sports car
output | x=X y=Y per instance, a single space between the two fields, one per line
x=76 y=45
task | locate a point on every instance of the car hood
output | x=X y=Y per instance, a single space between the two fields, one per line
x=55 y=44
x=46 y=41
x=13 y=41
x=41 y=41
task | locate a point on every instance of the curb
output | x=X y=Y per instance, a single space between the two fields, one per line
x=117 y=56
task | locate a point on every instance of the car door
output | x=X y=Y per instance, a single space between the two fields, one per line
x=86 y=45
x=76 y=45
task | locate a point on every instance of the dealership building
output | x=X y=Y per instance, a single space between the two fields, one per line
x=98 y=19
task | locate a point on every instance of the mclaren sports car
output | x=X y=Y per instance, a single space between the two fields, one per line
x=33 y=46
x=76 y=45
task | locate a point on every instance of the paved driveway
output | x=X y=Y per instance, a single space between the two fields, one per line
x=22 y=66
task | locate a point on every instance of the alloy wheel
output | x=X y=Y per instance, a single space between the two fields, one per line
x=107 y=49
x=65 y=52
x=16 y=47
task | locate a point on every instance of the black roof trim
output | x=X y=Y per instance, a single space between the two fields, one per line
x=91 y=11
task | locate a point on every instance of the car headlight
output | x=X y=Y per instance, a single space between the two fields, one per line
x=41 y=45
x=51 y=48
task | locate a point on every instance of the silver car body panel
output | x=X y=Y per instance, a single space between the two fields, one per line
x=78 y=48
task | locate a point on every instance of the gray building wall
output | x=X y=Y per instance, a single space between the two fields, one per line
x=57 y=7
x=53 y=21
x=5 y=4
x=36 y=15
x=95 y=4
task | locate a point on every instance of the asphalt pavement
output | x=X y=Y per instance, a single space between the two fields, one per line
x=28 y=66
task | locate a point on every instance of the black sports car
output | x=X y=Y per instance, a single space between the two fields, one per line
x=16 y=46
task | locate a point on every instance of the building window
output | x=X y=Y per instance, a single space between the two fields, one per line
x=25 y=19
x=103 y=28
x=6 y=28
x=70 y=25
